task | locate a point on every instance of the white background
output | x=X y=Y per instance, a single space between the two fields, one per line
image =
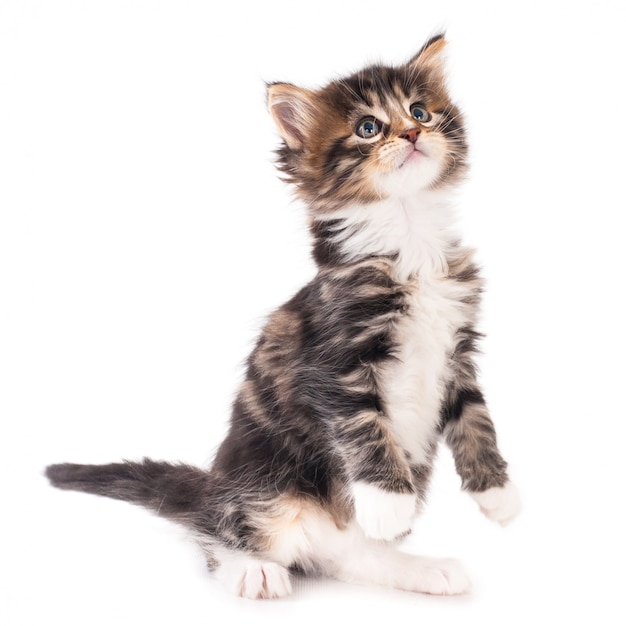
x=144 y=235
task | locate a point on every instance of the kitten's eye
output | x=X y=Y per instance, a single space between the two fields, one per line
x=368 y=127
x=420 y=113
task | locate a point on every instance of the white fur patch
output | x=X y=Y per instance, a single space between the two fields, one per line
x=414 y=382
x=415 y=227
x=500 y=504
x=382 y=514
x=417 y=231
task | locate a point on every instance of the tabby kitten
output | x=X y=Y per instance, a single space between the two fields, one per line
x=355 y=379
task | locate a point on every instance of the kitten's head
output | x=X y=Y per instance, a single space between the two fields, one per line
x=384 y=131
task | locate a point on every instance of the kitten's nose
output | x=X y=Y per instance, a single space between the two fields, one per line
x=411 y=134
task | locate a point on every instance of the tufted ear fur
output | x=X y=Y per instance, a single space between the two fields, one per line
x=293 y=110
x=431 y=57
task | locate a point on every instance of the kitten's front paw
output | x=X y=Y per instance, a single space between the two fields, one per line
x=382 y=514
x=442 y=577
x=500 y=504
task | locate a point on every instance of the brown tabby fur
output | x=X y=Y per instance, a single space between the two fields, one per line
x=312 y=417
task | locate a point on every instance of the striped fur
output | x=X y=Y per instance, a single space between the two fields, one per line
x=356 y=378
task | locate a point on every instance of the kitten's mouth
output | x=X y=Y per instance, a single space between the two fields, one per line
x=414 y=155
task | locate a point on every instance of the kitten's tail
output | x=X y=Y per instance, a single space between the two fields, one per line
x=175 y=491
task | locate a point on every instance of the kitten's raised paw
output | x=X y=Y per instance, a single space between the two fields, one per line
x=500 y=504
x=253 y=579
x=382 y=514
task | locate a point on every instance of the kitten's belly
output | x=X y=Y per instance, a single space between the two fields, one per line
x=414 y=382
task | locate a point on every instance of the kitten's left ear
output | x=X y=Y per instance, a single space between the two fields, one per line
x=431 y=58
x=293 y=110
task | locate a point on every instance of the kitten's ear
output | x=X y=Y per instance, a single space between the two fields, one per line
x=293 y=110
x=431 y=57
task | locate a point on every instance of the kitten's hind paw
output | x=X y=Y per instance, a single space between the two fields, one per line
x=499 y=504
x=253 y=579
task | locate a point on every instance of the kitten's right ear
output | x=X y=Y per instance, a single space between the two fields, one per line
x=293 y=110
x=431 y=57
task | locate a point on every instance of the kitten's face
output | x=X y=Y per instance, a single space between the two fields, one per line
x=379 y=133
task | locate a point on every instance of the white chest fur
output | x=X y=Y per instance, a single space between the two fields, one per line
x=414 y=383
x=418 y=232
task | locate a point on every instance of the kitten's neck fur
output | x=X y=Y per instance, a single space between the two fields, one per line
x=416 y=231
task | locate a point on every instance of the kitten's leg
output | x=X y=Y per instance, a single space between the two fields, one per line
x=302 y=532
x=382 y=564
x=361 y=305
x=469 y=431
x=382 y=488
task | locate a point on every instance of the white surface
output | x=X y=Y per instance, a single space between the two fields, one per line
x=144 y=235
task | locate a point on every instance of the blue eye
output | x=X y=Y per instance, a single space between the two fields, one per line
x=368 y=127
x=420 y=113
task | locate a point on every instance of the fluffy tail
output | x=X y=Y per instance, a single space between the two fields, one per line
x=172 y=490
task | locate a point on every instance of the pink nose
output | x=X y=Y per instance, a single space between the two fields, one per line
x=410 y=134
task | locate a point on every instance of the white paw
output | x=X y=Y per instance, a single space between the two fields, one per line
x=249 y=578
x=382 y=514
x=444 y=577
x=500 y=504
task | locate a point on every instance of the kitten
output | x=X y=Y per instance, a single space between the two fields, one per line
x=355 y=379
